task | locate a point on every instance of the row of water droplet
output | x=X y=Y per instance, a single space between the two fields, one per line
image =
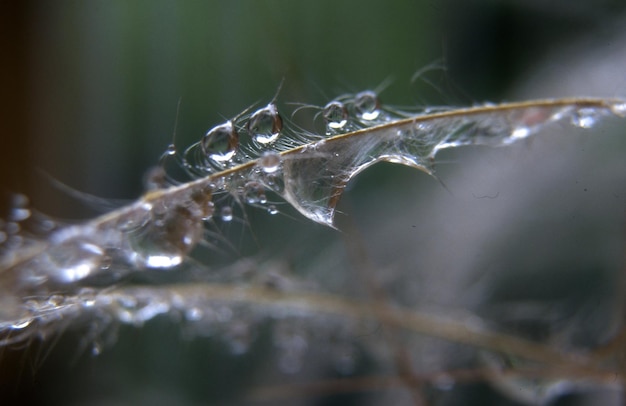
x=221 y=146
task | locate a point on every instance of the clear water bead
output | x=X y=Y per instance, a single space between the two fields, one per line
x=19 y=208
x=170 y=150
x=166 y=236
x=96 y=349
x=226 y=214
x=585 y=117
x=619 y=109
x=271 y=209
x=270 y=162
x=21 y=324
x=367 y=105
x=336 y=115
x=220 y=143
x=254 y=193
x=265 y=124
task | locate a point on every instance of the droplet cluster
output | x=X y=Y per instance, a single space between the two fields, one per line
x=235 y=141
x=22 y=228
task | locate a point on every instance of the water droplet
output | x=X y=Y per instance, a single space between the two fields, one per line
x=336 y=115
x=527 y=121
x=270 y=161
x=265 y=124
x=87 y=297
x=344 y=358
x=3 y=237
x=239 y=337
x=19 y=214
x=170 y=150
x=210 y=209
x=193 y=314
x=127 y=302
x=96 y=349
x=45 y=225
x=220 y=143
x=271 y=209
x=254 y=193
x=585 y=117
x=619 y=109
x=292 y=345
x=167 y=236
x=226 y=213
x=520 y=132
x=90 y=256
x=73 y=261
x=367 y=105
x=55 y=300
x=21 y=324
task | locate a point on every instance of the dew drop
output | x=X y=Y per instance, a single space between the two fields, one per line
x=167 y=236
x=73 y=261
x=90 y=256
x=55 y=301
x=585 y=117
x=619 y=109
x=226 y=213
x=271 y=209
x=238 y=337
x=170 y=150
x=292 y=345
x=265 y=124
x=528 y=121
x=162 y=260
x=210 y=209
x=19 y=214
x=96 y=349
x=336 y=115
x=344 y=358
x=270 y=161
x=21 y=324
x=367 y=105
x=87 y=297
x=220 y=143
x=193 y=314
x=254 y=193
x=520 y=132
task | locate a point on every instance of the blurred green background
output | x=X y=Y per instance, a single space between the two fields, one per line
x=90 y=92
x=92 y=87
